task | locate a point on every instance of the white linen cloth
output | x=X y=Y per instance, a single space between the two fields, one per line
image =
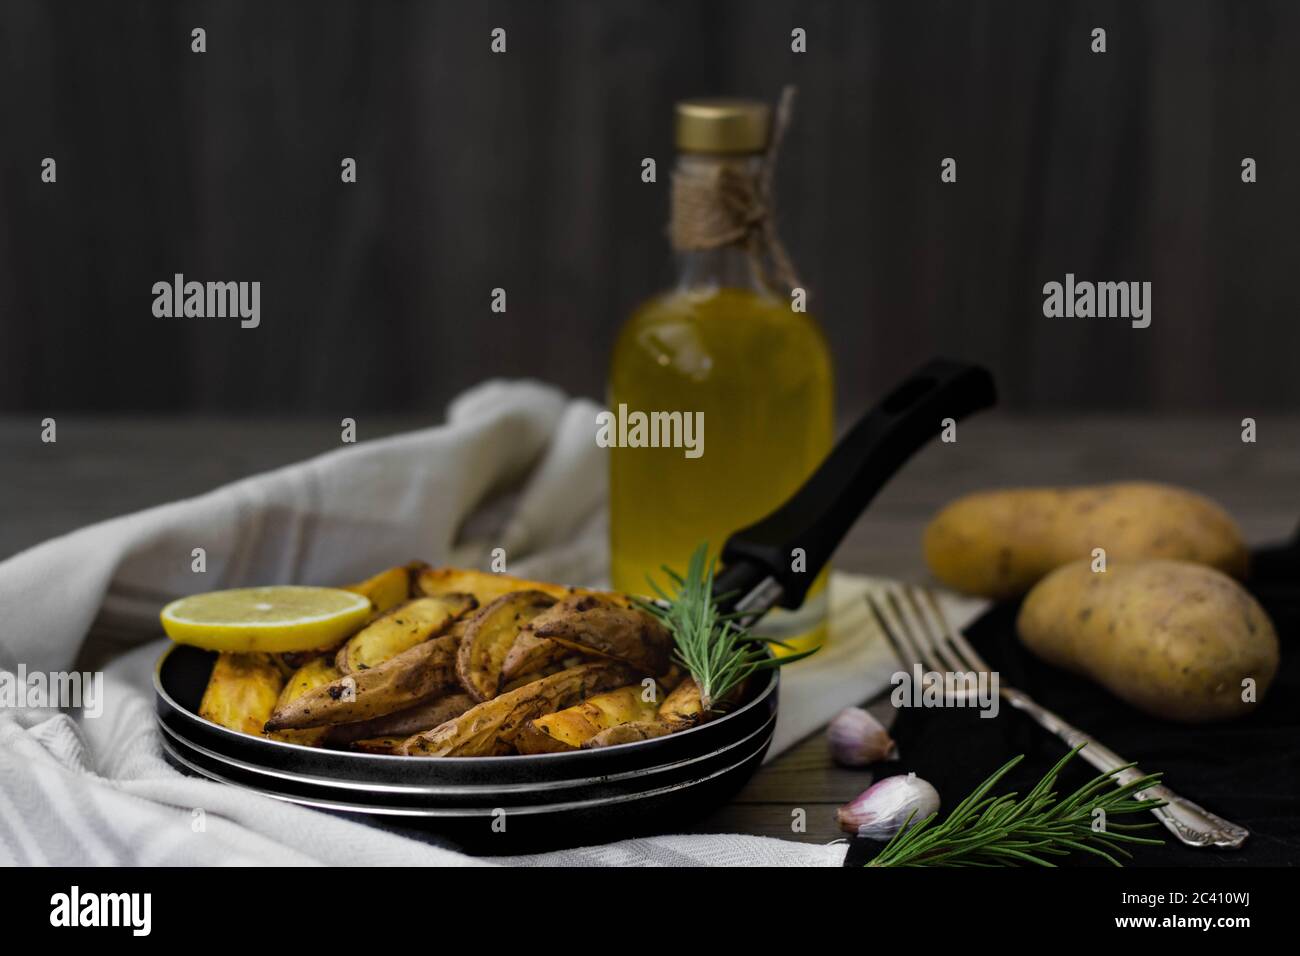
x=515 y=466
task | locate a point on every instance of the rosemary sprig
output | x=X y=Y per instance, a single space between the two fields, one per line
x=719 y=653
x=1002 y=831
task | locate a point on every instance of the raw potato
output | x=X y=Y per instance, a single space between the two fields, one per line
x=1171 y=638
x=592 y=623
x=412 y=677
x=628 y=734
x=490 y=728
x=315 y=673
x=998 y=543
x=401 y=724
x=401 y=629
x=242 y=691
x=572 y=727
x=489 y=635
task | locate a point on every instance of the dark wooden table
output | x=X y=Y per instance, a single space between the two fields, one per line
x=101 y=468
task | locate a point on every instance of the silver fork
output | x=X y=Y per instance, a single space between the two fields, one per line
x=919 y=633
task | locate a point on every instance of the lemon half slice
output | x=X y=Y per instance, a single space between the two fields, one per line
x=271 y=619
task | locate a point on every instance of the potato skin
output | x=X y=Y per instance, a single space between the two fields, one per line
x=683 y=708
x=424 y=671
x=1172 y=638
x=997 y=544
x=490 y=728
x=530 y=654
x=488 y=637
x=403 y=723
x=629 y=733
x=572 y=727
x=378 y=745
x=591 y=623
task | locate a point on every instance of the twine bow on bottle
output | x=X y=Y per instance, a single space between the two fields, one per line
x=724 y=201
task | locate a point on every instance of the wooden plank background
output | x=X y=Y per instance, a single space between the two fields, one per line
x=522 y=171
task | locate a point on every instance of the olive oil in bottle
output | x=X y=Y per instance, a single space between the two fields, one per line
x=727 y=343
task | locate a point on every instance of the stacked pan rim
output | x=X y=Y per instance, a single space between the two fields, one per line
x=648 y=786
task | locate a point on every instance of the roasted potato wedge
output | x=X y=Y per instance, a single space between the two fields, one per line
x=242 y=691
x=484 y=585
x=487 y=586
x=628 y=733
x=387 y=589
x=292 y=661
x=572 y=661
x=378 y=745
x=404 y=723
x=315 y=673
x=490 y=728
x=682 y=708
x=412 y=677
x=489 y=635
x=593 y=624
x=288 y=662
x=465 y=663
x=572 y=727
x=671 y=678
x=400 y=629
x=530 y=654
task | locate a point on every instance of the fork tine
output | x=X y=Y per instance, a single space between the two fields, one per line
x=907 y=655
x=963 y=679
x=933 y=635
x=915 y=634
x=970 y=658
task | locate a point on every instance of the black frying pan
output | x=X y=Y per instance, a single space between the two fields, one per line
x=591 y=796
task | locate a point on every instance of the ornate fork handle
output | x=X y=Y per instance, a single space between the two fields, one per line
x=1192 y=824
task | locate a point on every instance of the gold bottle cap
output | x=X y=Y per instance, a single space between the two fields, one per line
x=723 y=126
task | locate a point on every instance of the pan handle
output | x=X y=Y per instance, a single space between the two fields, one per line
x=821 y=512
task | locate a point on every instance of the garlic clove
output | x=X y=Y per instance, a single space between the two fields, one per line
x=883 y=809
x=858 y=739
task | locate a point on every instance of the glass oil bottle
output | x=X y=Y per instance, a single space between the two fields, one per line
x=727 y=341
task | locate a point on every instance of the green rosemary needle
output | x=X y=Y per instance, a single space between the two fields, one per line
x=718 y=652
x=1002 y=831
